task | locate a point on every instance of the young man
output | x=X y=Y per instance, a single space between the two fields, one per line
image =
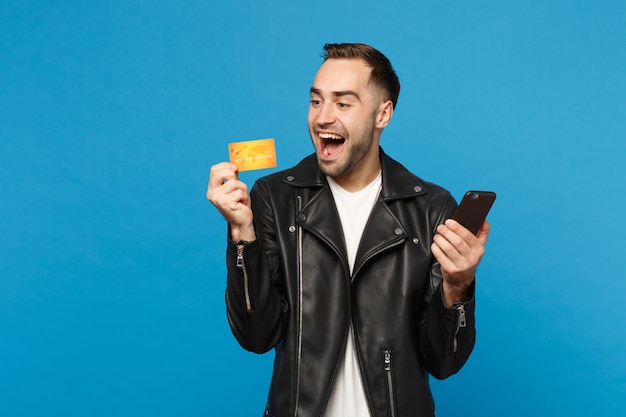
x=347 y=264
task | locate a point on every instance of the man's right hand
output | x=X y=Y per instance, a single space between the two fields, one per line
x=230 y=196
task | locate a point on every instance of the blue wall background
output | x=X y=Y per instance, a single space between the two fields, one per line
x=112 y=261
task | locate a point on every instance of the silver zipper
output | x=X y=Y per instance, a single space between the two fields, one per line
x=241 y=264
x=389 y=376
x=299 y=347
x=461 y=322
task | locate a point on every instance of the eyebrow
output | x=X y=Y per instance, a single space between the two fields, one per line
x=336 y=93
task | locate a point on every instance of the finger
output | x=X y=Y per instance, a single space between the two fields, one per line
x=471 y=243
x=459 y=229
x=223 y=171
x=232 y=185
x=454 y=267
x=447 y=265
x=237 y=197
x=458 y=245
x=483 y=233
x=230 y=192
x=229 y=195
x=219 y=175
x=447 y=254
x=455 y=235
x=439 y=253
x=442 y=242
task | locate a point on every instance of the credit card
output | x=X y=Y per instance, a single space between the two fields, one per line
x=253 y=154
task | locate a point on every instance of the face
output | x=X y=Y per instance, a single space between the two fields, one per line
x=346 y=117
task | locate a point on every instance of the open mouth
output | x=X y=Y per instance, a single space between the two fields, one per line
x=331 y=143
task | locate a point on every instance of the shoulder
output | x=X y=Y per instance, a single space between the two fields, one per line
x=305 y=173
x=273 y=191
x=400 y=183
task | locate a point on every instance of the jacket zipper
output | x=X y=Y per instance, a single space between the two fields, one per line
x=246 y=287
x=299 y=347
x=461 y=322
x=389 y=376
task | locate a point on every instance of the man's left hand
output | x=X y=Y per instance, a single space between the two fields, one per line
x=458 y=252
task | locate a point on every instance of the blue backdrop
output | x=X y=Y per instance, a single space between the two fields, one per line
x=112 y=269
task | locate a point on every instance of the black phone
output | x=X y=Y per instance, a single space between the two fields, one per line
x=473 y=209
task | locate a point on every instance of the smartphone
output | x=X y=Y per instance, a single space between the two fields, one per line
x=473 y=209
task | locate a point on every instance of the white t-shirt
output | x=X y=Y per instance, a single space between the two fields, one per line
x=347 y=396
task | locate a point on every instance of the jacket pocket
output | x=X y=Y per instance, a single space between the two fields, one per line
x=391 y=392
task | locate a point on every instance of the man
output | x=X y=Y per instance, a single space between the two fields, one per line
x=347 y=264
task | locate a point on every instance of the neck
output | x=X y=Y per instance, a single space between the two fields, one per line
x=363 y=174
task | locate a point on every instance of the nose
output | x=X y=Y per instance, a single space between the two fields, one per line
x=325 y=114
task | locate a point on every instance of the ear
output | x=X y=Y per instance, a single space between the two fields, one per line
x=384 y=113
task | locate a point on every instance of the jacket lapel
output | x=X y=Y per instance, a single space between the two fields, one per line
x=319 y=216
x=382 y=232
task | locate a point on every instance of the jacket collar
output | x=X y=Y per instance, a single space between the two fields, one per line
x=397 y=181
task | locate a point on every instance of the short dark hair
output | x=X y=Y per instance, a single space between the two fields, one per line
x=383 y=75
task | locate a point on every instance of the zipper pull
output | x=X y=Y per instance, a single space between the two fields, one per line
x=461 y=310
x=391 y=392
x=239 y=256
x=462 y=322
x=387 y=354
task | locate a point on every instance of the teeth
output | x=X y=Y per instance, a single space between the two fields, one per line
x=326 y=151
x=330 y=136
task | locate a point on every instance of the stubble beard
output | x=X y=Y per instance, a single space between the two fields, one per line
x=354 y=155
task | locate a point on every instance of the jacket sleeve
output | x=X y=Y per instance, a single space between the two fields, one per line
x=253 y=303
x=447 y=334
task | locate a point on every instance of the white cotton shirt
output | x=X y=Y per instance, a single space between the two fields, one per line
x=347 y=396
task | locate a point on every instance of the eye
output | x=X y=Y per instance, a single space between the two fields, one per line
x=343 y=105
x=315 y=103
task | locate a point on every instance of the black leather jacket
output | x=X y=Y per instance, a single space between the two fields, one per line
x=291 y=290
